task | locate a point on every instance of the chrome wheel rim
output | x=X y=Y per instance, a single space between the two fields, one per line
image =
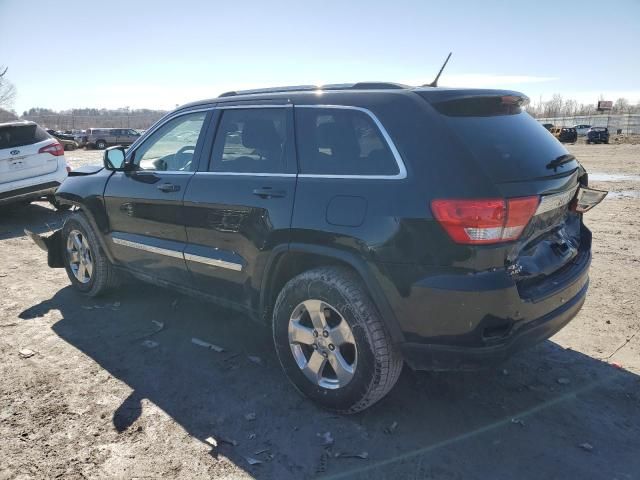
x=322 y=344
x=79 y=256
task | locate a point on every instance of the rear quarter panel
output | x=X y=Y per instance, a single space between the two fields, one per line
x=397 y=225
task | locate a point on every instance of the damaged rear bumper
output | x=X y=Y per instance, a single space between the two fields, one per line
x=51 y=244
x=449 y=357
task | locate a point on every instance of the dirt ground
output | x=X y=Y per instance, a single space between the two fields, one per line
x=116 y=388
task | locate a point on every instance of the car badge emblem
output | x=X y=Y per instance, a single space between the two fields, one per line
x=14 y=152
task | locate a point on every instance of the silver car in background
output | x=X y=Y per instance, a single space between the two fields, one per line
x=582 y=129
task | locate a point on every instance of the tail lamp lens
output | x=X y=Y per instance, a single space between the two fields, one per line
x=484 y=221
x=54 y=149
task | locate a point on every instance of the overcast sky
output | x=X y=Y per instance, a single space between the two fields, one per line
x=158 y=54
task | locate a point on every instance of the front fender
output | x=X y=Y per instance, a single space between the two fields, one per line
x=87 y=193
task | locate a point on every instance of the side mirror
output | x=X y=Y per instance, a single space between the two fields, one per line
x=113 y=158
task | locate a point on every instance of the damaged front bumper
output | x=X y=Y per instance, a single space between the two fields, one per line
x=51 y=244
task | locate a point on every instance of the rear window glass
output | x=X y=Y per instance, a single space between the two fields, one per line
x=335 y=141
x=504 y=139
x=19 y=135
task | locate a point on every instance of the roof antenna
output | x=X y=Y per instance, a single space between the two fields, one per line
x=435 y=81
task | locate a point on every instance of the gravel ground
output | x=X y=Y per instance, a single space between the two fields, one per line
x=115 y=388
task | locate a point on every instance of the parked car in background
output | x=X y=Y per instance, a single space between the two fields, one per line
x=80 y=136
x=582 y=129
x=565 y=134
x=548 y=126
x=101 y=138
x=32 y=163
x=369 y=226
x=67 y=141
x=598 y=135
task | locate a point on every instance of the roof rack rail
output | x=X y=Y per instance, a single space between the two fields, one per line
x=308 y=88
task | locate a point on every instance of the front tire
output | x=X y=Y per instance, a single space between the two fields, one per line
x=87 y=266
x=331 y=341
x=101 y=144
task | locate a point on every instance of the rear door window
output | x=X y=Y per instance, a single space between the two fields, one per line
x=19 y=135
x=251 y=140
x=343 y=142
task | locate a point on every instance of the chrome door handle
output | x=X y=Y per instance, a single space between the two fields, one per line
x=267 y=192
x=168 y=187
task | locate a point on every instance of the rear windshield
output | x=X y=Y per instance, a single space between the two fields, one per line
x=505 y=139
x=18 y=135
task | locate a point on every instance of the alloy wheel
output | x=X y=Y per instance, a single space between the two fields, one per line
x=79 y=256
x=322 y=344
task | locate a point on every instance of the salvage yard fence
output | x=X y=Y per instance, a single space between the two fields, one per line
x=625 y=124
x=82 y=122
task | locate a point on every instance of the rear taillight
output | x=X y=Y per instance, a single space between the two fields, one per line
x=485 y=221
x=54 y=149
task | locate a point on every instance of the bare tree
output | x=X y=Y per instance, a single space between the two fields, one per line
x=7 y=90
x=553 y=107
x=570 y=108
x=621 y=105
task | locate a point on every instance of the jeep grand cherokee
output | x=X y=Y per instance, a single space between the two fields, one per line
x=371 y=225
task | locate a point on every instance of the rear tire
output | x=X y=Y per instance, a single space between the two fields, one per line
x=87 y=266
x=371 y=363
x=101 y=144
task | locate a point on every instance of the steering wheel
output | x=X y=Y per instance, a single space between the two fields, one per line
x=177 y=160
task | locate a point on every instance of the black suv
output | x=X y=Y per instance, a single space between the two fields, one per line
x=598 y=135
x=369 y=224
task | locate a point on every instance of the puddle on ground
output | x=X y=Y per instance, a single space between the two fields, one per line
x=623 y=194
x=612 y=177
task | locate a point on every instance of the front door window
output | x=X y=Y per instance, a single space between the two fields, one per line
x=171 y=148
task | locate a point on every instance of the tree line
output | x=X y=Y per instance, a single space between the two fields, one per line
x=558 y=106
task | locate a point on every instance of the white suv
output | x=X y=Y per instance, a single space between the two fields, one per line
x=32 y=163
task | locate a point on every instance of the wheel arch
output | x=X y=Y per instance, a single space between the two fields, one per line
x=93 y=222
x=287 y=261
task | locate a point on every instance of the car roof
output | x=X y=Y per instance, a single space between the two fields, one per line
x=17 y=123
x=344 y=93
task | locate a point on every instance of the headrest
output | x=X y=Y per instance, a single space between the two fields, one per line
x=260 y=134
x=341 y=141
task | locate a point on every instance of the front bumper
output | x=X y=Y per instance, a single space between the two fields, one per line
x=51 y=244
